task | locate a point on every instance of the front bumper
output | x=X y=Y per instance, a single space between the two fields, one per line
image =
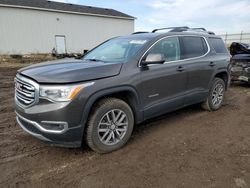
x=67 y=137
x=57 y=123
x=239 y=73
x=60 y=123
x=240 y=68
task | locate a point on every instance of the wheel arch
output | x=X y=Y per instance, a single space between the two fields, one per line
x=125 y=93
x=224 y=75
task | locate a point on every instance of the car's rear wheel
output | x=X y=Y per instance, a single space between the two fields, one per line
x=110 y=125
x=216 y=95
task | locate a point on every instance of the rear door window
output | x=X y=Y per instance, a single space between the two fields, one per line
x=218 y=45
x=193 y=46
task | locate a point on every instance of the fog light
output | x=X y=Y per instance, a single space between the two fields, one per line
x=51 y=125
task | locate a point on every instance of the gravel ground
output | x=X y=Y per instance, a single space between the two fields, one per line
x=187 y=148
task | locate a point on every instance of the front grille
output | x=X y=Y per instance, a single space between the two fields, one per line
x=24 y=92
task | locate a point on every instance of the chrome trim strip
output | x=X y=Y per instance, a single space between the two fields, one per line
x=31 y=94
x=31 y=133
x=26 y=85
x=24 y=100
x=38 y=126
x=30 y=100
x=176 y=61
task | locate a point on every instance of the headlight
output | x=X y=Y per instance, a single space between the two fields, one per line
x=62 y=93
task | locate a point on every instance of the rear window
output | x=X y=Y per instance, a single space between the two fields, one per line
x=193 y=47
x=218 y=45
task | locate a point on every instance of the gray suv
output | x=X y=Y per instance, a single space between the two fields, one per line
x=98 y=99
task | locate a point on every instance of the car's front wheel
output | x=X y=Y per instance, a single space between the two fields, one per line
x=110 y=125
x=216 y=95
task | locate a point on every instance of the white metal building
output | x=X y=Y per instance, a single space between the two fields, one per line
x=38 y=26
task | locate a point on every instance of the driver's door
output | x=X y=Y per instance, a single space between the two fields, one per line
x=163 y=85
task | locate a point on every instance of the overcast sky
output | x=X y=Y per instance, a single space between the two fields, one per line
x=221 y=16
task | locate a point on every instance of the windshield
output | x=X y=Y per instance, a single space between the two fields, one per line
x=115 y=50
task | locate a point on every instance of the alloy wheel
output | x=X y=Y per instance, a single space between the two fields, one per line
x=112 y=127
x=217 y=95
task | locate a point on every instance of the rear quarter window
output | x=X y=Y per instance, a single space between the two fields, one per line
x=193 y=46
x=218 y=45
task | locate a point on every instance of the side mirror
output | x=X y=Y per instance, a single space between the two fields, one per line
x=153 y=59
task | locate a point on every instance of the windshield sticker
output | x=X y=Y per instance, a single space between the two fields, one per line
x=137 y=41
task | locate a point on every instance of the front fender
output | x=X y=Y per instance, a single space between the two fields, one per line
x=107 y=92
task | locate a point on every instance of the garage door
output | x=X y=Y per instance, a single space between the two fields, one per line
x=60 y=44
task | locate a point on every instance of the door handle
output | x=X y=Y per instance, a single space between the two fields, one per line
x=212 y=64
x=180 y=69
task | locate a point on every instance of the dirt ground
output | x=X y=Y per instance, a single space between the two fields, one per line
x=187 y=148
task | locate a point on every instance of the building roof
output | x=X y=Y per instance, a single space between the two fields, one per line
x=64 y=7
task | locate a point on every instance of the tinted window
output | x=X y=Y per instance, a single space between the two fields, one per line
x=218 y=45
x=193 y=47
x=169 y=47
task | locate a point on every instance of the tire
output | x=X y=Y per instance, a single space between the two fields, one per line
x=210 y=103
x=110 y=125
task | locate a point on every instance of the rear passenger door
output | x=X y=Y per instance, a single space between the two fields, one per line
x=199 y=67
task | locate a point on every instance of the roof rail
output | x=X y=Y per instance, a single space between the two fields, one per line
x=185 y=28
x=172 y=28
x=201 y=29
x=198 y=28
x=139 y=32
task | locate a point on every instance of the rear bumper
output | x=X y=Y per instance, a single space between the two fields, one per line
x=67 y=137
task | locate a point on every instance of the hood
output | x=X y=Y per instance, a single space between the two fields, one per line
x=70 y=70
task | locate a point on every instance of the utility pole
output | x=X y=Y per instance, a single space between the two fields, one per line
x=241 y=35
